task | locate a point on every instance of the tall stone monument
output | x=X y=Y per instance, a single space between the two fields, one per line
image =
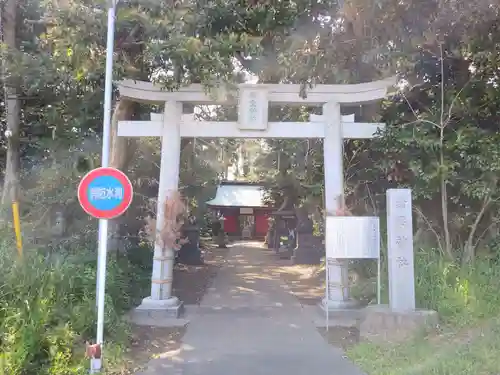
x=401 y=319
x=400 y=250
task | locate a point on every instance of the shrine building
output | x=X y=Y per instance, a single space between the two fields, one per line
x=243 y=207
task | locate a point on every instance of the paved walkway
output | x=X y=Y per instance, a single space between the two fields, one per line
x=249 y=324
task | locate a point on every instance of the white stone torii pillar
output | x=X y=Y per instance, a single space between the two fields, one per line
x=163 y=258
x=253 y=114
x=333 y=165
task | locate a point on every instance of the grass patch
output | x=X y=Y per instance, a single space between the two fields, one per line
x=467 y=352
x=468 y=303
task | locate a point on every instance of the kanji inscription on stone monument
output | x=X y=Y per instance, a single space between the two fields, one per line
x=400 y=250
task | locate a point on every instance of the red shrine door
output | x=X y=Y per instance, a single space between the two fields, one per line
x=231 y=224
x=261 y=224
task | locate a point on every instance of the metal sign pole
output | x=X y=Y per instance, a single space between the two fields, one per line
x=96 y=363
x=327 y=295
x=379 y=260
x=378 y=279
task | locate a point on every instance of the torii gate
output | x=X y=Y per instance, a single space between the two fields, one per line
x=253 y=101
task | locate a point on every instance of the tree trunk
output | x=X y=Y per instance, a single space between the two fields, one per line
x=11 y=181
x=122 y=148
x=444 y=205
x=226 y=161
x=122 y=151
x=470 y=246
x=239 y=160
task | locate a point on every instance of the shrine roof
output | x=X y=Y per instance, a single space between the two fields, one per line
x=238 y=194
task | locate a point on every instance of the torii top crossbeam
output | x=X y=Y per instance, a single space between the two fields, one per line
x=253 y=107
x=275 y=93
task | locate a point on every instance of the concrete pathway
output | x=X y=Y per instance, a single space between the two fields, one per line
x=250 y=324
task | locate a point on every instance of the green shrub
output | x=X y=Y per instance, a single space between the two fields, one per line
x=461 y=295
x=47 y=310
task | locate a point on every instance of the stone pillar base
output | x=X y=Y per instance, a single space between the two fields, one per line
x=347 y=318
x=339 y=306
x=306 y=255
x=285 y=254
x=151 y=311
x=381 y=324
x=220 y=240
x=191 y=257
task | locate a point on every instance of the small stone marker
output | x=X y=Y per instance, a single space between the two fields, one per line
x=400 y=250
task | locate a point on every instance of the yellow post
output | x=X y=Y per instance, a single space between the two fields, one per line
x=17 y=228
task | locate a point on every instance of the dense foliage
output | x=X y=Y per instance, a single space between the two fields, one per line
x=48 y=309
